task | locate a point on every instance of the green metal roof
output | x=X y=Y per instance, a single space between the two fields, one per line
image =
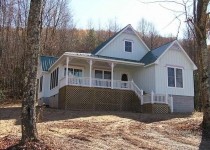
x=47 y=62
x=154 y=54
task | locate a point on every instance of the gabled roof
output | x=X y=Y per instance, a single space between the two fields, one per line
x=154 y=54
x=102 y=45
x=98 y=48
x=47 y=62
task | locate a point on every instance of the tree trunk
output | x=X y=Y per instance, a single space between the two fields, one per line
x=200 y=30
x=31 y=55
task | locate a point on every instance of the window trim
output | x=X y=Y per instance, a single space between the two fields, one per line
x=131 y=46
x=73 y=67
x=174 y=67
x=103 y=70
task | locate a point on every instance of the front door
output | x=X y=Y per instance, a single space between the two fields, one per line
x=124 y=79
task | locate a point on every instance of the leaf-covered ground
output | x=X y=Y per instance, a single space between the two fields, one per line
x=107 y=130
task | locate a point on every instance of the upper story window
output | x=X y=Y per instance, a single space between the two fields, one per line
x=175 y=77
x=128 y=46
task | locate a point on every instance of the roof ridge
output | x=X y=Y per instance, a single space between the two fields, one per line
x=163 y=45
x=100 y=46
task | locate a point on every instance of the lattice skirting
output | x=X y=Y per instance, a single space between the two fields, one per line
x=99 y=99
x=155 y=108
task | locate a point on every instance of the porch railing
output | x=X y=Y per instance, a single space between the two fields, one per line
x=158 y=99
x=105 y=83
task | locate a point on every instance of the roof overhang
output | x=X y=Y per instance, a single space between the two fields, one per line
x=87 y=56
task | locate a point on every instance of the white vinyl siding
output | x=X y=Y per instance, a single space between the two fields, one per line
x=144 y=77
x=174 y=58
x=116 y=48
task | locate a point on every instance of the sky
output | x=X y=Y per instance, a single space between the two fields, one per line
x=127 y=12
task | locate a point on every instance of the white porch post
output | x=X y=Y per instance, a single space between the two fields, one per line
x=112 y=76
x=91 y=63
x=67 y=70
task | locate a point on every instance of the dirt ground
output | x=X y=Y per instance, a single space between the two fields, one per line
x=85 y=130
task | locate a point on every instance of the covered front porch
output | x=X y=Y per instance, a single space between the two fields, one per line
x=88 y=71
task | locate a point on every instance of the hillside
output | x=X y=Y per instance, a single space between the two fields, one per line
x=107 y=130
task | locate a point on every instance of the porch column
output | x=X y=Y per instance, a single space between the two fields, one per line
x=112 y=76
x=91 y=63
x=67 y=66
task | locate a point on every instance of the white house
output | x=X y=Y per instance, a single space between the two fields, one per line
x=122 y=63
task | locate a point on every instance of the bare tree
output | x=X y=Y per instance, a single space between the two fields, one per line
x=28 y=115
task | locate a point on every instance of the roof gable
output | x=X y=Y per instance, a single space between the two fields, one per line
x=47 y=62
x=153 y=55
x=156 y=54
x=128 y=29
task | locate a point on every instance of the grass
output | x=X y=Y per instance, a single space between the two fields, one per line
x=62 y=129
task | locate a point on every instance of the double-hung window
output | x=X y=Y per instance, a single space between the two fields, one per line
x=175 y=77
x=73 y=72
x=128 y=46
x=105 y=75
x=101 y=74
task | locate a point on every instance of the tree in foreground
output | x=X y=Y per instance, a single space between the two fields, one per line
x=200 y=26
x=31 y=55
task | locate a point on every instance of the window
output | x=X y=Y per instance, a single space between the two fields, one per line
x=100 y=74
x=175 y=77
x=40 y=83
x=73 y=72
x=128 y=46
x=54 y=79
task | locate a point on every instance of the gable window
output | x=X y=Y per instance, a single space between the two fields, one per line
x=73 y=72
x=54 y=79
x=128 y=46
x=175 y=77
x=40 y=83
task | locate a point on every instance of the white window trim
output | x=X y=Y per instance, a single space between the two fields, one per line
x=175 y=76
x=131 y=45
x=75 y=67
x=102 y=73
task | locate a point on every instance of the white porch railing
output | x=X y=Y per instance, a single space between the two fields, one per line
x=81 y=81
x=118 y=84
x=105 y=83
x=158 y=99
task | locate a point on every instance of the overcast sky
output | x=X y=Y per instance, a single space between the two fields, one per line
x=127 y=12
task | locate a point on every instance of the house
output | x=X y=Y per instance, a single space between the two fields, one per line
x=120 y=74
